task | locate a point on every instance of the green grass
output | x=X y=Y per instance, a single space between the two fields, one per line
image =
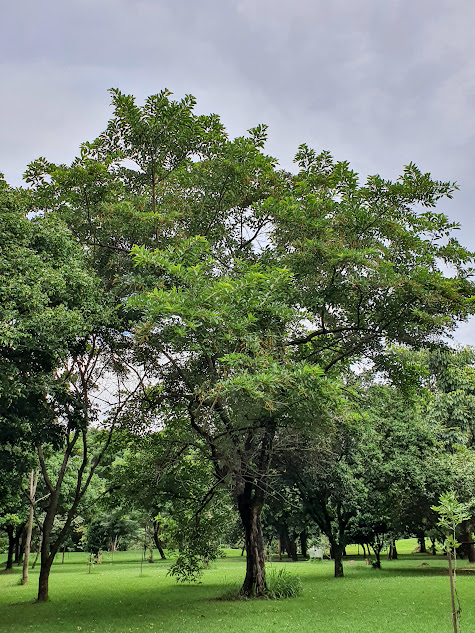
x=402 y=597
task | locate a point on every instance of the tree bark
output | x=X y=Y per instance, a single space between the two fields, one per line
x=11 y=546
x=29 y=526
x=157 y=540
x=467 y=547
x=303 y=543
x=422 y=543
x=337 y=553
x=392 y=554
x=43 y=584
x=47 y=555
x=250 y=502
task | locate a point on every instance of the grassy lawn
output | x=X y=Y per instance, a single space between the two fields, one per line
x=402 y=597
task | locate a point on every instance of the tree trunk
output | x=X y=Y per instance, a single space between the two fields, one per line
x=43 y=583
x=29 y=526
x=392 y=554
x=303 y=543
x=250 y=503
x=467 y=547
x=158 y=542
x=20 y=545
x=337 y=554
x=422 y=543
x=11 y=546
x=293 y=549
x=47 y=555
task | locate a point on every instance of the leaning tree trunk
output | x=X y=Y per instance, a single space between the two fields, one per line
x=157 y=540
x=250 y=502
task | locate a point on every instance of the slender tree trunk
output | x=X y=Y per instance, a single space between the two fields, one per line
x=38 y=552
x=11 y=546
x=455 y=611
x=250 y=503
x=20 y=545
x=158 y=542
x=29 y=526
x=303 y=543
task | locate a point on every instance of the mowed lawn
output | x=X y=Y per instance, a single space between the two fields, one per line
x=403 y=597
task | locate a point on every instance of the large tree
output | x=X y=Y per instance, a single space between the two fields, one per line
x=259 y=284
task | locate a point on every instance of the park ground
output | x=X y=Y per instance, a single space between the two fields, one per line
x=408 y=595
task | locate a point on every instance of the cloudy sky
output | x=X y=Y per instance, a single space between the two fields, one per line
x=378 y=83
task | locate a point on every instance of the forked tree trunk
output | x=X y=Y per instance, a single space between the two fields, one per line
x=250 y=503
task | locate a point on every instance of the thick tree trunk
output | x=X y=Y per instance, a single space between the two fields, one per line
x=250 y=503
x=467 y=548
x=337 y=553
x=422 y=543
x=43 y=584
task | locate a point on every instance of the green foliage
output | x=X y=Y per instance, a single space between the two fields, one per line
x=451 y=514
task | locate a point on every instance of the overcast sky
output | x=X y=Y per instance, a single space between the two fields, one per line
x=377 y=82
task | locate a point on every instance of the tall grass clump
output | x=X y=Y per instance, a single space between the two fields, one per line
x=282 y=584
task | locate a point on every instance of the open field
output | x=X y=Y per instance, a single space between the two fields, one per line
x=402 y=597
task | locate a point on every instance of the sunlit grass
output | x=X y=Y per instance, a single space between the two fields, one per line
x=117 y=597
